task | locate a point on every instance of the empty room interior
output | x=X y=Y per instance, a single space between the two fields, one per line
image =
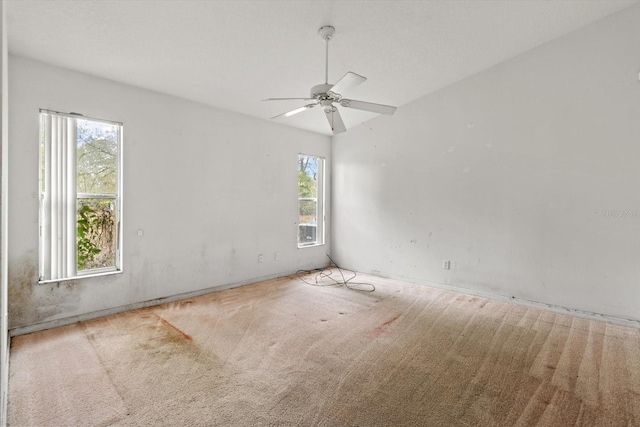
x=332 y=213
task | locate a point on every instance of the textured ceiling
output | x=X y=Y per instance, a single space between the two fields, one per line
x=232 y=54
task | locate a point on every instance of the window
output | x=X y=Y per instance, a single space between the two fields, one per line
x=310 y=200
x=80 y=196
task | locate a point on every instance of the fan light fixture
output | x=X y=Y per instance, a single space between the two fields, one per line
x=329 y=95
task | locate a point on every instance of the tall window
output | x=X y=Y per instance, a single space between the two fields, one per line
x=310 y=200
x=80 y=196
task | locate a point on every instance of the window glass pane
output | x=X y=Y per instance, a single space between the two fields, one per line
x=97 y=233
x=80 y=180
x=97 y=157
x=308 y=175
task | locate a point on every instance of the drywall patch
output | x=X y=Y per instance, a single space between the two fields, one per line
x=30 y=302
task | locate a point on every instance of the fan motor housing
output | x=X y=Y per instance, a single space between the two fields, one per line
x=318 y=90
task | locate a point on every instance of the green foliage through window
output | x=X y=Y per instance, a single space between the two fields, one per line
x=97 y=174
x=310 y=214
x=96 y=234
x=80 y=164
x=87 y=249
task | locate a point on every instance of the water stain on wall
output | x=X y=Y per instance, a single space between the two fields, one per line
x=31 y=302
x=23 y=277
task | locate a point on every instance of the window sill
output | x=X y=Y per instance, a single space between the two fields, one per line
x=310 y=245
x=82 y=276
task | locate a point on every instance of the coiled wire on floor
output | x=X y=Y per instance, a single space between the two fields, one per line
x=328 y=276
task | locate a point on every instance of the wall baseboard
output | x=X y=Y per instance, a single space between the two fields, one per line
x=620 y=321
x=22 y=330
x=48 y=324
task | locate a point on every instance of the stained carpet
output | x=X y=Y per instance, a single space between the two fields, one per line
x=284 y=353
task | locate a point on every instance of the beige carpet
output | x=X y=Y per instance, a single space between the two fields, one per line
x=284 y=353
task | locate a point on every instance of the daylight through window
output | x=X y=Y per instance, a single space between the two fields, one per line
x=310 y=200
x=80 y=196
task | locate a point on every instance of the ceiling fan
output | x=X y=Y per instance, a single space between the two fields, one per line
x=329 y=95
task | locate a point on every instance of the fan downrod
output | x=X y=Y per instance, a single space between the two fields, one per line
x=326 y=33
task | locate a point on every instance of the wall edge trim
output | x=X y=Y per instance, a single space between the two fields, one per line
x=49 y=324
x=615 y=320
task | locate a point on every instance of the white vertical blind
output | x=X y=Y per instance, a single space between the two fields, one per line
x=59 y=199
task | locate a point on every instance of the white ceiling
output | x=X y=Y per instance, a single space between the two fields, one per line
x=233 y=54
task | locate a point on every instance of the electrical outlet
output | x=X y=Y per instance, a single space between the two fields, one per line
x=276 y=256
x=260 y=258
x=446 y=264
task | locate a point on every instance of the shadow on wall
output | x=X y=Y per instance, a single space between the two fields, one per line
x=30 y=302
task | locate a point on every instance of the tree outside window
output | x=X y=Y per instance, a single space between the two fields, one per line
x=80 y=186
x=310 y=203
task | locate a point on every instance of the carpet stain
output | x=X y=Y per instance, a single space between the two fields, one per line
x=161 y=340
x=382 y=329
x=253 y=364
x=390 y=321
x=175 y=328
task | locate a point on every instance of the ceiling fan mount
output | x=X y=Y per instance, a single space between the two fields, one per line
x=328 y=95
x=326 y=32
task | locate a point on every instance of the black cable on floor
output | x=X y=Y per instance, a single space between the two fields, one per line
x=329 y=272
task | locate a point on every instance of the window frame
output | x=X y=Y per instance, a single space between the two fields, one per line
x=320 y=205
x=118 y=202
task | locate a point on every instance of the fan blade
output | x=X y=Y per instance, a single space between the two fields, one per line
x=296 y=111
x=288 y=99
x=335 y=120
x=348 y=81
x=368 y=106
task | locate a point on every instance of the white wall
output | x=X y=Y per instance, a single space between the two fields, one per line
x=4 y=225
x=211 y=189
x=508 y=174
